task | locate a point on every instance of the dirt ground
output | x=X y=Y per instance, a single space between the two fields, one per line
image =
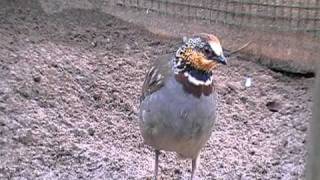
x=69 y=89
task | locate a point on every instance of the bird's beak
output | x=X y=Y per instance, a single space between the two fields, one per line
x=222 y=59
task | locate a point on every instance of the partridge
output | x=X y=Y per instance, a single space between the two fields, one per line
x=178 y=100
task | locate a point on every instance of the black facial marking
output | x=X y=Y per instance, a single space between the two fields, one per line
x=207 y=50
x=196 y=91
x=202 y=76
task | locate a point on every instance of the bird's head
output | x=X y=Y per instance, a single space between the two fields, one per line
x=202 y=52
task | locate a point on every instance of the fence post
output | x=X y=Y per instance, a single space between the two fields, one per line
x=313 y=166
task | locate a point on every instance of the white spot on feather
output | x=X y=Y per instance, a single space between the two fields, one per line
x=176 y=65
x=143 y=115
x=154 y=74
x=159 y=77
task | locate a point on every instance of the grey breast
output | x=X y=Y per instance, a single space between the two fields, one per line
x=173 y=120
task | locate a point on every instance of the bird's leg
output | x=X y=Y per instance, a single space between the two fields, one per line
x=194 y=166
x=156 y=164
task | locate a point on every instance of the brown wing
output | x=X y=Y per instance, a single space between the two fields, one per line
x=155 y=78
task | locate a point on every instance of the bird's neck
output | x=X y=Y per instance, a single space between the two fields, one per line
x=184 y=67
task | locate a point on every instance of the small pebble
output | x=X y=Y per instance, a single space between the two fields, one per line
x=91 y=131
x=37 y=79
x=273 y=106
x=248 y=82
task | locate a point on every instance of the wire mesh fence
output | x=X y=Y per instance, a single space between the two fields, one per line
x=277 y=15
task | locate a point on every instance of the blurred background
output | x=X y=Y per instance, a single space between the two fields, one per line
x=282 y=31
x=71 y=72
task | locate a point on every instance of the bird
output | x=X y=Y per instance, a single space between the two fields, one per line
x=178 y=99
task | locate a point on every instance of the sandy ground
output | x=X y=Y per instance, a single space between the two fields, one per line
x=69 y=89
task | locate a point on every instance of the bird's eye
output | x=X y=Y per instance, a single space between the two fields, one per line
x=207 y=49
